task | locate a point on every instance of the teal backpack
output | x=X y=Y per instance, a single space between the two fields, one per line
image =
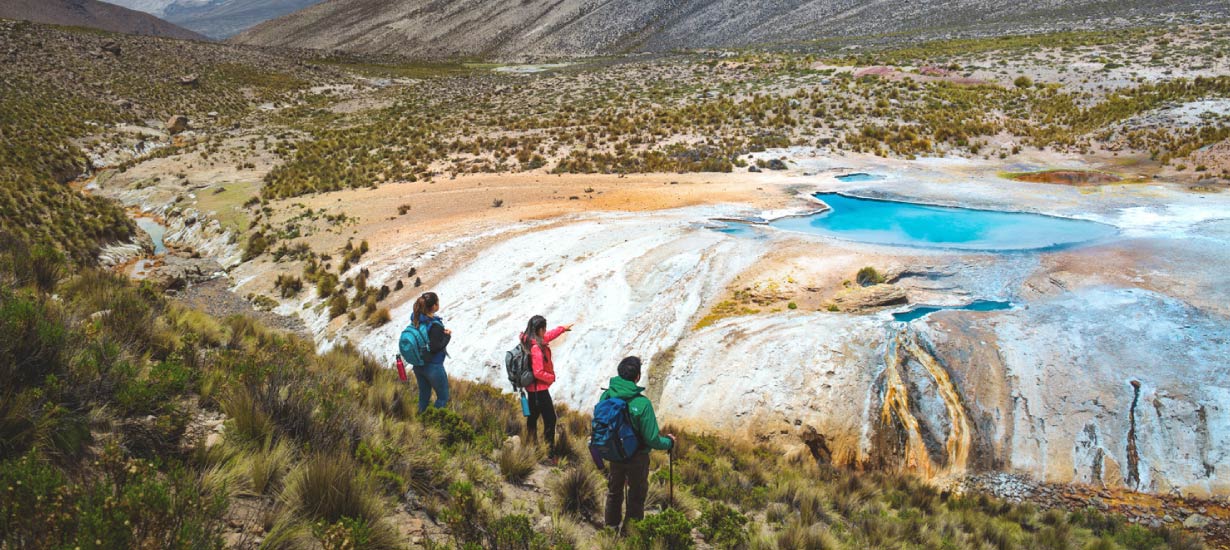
x=413 y=344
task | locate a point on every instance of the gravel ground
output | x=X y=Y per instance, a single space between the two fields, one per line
x=214 y=297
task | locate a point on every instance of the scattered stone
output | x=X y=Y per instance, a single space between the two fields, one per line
x=1196 y=521
x=111 y=48
x=189 y=80
x=177 y=124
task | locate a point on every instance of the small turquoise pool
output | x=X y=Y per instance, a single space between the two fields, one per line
x=859 y=176
x=910 y=224
x=155 y=231
x=923 y=311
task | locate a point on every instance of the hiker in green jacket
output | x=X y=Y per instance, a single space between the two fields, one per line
x=634 y=473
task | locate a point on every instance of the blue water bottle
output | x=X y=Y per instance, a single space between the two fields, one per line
x=525 y=404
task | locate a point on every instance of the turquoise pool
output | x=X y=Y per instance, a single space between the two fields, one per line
x=910 y=224
x=155 y=231
x=859 y=176
x=923 y=311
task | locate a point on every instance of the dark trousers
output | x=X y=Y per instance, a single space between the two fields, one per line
x=541 y=406
x=635 y=475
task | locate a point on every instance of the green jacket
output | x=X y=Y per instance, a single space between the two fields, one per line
x=641 y=411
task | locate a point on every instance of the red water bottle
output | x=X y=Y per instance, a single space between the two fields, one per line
x=401 y=368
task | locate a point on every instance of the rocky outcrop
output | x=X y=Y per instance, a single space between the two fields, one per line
x=177 y=124
x=177 y=273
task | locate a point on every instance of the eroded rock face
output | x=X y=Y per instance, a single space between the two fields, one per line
x=1104 y=385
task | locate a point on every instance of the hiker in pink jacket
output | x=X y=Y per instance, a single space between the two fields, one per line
x=538 y=340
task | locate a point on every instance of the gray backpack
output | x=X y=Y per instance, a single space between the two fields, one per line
x=520 y=367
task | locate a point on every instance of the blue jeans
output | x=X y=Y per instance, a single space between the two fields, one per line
x=432 y=377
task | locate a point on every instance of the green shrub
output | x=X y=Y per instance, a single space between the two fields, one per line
x=130 y=505
x=514 y=532
x=723 y=526
x=454 y=429
x=868 y=276
x=670 y=529
x=468 y=515
x=257 y=244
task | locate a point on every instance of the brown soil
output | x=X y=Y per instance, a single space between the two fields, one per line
x=1068 y=177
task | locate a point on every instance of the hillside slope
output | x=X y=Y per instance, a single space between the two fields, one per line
x=93 y=14
x=545 y=28
x=217 y=18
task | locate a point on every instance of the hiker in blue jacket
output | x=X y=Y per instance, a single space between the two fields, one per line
x=634 y=472
x=432 y=375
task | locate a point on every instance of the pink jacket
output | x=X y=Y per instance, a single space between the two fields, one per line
x=544 y=369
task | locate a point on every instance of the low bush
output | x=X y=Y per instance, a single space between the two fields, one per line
x=454 y=429
x=723 y=526
x=669 y=529
x=868 y=276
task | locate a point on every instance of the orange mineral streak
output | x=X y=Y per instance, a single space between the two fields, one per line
x=897 y=405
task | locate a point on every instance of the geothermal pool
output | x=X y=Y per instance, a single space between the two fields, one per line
x=859 y=176
x=919 y=312
x=155 y=231
x=910 y=224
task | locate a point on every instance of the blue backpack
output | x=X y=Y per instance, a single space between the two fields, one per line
x=413 y=344
x=613 y=435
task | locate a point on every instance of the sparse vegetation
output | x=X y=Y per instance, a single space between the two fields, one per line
x=868 y=276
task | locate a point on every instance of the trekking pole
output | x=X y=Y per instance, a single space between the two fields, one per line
x=670 y=461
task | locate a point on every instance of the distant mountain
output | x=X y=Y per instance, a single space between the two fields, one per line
x=546 y=28
x=216 y=18
x=93 y=14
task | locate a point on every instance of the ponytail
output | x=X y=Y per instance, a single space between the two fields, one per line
x=537 y=323
x=423 y=306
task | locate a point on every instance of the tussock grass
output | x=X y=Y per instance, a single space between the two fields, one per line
x=517 y=461
x=578 y=491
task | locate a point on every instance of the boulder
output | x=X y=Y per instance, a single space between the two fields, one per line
x=1196 y=521
x=189 y=80
x=777 y=164
x=178 y=273
x=111 y=47
x=177 y=124
x=754 y=169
